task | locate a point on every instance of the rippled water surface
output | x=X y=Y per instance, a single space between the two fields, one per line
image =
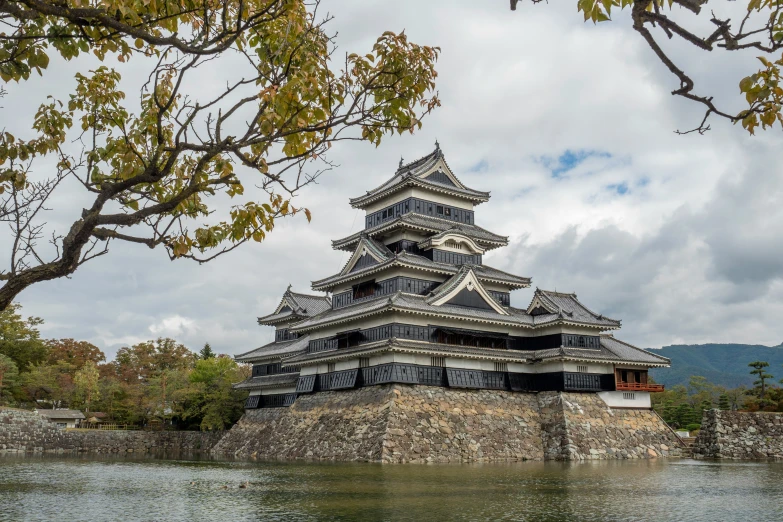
x=91 y=489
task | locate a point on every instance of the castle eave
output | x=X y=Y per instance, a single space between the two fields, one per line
x=428 y=224
x=267 y=381
x=406 y=260
x=409 y=347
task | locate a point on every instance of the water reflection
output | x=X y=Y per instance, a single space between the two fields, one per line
x=42 y=488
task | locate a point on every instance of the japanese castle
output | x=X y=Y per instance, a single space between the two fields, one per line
x=415 y=304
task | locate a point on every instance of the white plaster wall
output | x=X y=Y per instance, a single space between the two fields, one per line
x=617 y=399
x=591 y=367
x=547 y=367
x=275 y=391
x=467 y=364
x=350 y=364
x=69 y=423
x=383 y=358
x=521 y=368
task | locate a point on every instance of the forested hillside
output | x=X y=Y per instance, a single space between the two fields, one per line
x=722 y=364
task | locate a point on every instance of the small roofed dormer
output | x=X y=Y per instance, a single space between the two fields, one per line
x=464 y=289
x=452 y=247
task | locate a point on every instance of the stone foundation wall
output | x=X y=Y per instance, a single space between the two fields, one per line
x=580 y=426
x=26 y=431
x=401 y=423
x=23 y=431
x=329 y=425
x=740 y=435
x=450 y=425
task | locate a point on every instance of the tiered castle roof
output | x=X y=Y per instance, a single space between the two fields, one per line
x=416 y=285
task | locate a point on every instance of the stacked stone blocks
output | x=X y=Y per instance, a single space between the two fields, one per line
x=740 y=435
x=404 y=423
x=24 y=431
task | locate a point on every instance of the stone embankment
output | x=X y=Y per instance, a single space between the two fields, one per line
x=400 y=423
x=740 y=435
x=23 y=431
x=580 y=426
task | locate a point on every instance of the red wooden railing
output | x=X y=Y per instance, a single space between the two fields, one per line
x=638 y=386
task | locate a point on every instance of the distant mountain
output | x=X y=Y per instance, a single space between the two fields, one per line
x=723 y=364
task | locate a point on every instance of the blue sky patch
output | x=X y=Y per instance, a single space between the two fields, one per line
x=619 y=188
x=481 y=166
x=569 y=160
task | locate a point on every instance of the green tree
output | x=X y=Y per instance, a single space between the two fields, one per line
x=700 y=390
x=737 y=397
x=52 y=383
x=20 y=339
x=9 y=377
x=683 y=415
x=761 y=375
x=211 y=397
x=206 y=352
x=163 y=394
x=760 y=31
x=723 y=402
x=111 y=394
x=153 y=168
x=666 y=402
x=87 y=382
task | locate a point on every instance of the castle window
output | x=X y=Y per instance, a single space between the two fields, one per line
x=581 y=369
x=581 y=341
x=629 y=396
x=448 y=211
x=364 y=362
x=501 y=367
x=330 y=367
x=438 y=361
x=365 y=289
x=440 y=209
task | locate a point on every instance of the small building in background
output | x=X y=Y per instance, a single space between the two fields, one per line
x=63 y=418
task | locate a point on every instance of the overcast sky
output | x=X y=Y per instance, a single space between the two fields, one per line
x=569 y=125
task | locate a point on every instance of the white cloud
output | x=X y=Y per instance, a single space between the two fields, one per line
x=173 y=326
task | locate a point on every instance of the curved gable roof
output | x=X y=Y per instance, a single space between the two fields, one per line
x=294 y=306
x=568 y=307
x=419 y=173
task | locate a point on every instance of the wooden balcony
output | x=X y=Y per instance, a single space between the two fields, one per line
x=638 y=386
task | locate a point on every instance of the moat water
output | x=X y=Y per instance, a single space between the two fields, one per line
x=107 y=489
